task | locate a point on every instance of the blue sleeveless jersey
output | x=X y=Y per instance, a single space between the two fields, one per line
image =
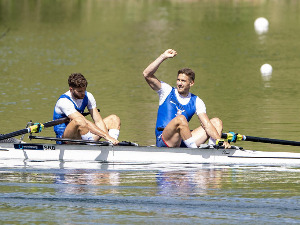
x=172 y=108
x=60 y=128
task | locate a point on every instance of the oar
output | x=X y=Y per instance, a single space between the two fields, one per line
x=35 y=128
x=103 y=143
x=239 y=137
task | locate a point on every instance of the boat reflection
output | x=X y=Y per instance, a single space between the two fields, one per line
x=186 y=182
x=81 y=181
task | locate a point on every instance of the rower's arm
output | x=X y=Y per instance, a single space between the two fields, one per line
x=149 y=72
x=74 y=115
x=92 y=127
x=98 y=119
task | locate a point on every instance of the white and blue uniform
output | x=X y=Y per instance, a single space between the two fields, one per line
x=172 y=104
x=67 y=105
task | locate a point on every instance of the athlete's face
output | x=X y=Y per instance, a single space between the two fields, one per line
x=78 y=93
x=184 y=83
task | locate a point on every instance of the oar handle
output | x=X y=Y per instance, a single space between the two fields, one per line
x=62 y=120
x=233 y=137
x=56 y=122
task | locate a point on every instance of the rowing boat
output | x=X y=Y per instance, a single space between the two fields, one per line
x=93 y=151
x=41 y=152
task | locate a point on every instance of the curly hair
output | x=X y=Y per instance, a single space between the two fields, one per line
x=77 y=80
x=187 y=71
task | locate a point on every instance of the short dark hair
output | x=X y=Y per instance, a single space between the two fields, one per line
x=77 y=80
x=187 y=71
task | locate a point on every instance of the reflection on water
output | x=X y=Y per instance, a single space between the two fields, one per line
x=189 y=182
x=181 y=182
x=81 y=181
x=146 y=196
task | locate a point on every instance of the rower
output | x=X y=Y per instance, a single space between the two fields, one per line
x=176 y=108
x=72 y=104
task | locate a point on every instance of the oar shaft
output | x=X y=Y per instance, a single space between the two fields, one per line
x=15 y=133
x=271 y=141
x=62 y=120
x=47 y=124
x=28 y=130
x=104 y=143
x=56 y=122
x=260 y=139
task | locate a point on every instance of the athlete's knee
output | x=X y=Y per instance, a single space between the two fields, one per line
x=80 y=122
x=181 y=120
x=114 y=121
x=217 y=122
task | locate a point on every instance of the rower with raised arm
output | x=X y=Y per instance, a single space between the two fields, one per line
x=72 y=104
x=176 y=108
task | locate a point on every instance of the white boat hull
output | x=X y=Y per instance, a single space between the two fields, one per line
x=141 y=154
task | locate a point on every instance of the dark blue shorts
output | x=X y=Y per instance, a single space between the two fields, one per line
x=160 y=142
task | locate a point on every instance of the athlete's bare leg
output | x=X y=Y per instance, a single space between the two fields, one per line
x=76 y=128
x=199 y=134
x=176 y=131
x=112 y=122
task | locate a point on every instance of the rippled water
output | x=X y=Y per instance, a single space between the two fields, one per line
x=111 y=42
x=208 y=194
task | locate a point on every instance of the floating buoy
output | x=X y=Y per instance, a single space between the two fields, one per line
x=261 y=25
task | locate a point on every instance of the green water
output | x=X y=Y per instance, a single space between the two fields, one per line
x=111 y=42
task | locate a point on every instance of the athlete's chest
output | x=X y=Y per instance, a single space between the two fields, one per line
x=180 y=106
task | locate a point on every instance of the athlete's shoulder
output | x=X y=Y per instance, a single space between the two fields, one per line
x=165 y=88
x=65 y=95
x=89 y=94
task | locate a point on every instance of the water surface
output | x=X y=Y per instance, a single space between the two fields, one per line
x=207 y=194
x=111 y=42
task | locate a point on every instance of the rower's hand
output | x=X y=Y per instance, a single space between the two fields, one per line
x=112 y=140
x=226 y=144
x=222 y=142
x=170 y=53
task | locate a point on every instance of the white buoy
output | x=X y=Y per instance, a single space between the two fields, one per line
x=261 y=25
x=266 y=70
